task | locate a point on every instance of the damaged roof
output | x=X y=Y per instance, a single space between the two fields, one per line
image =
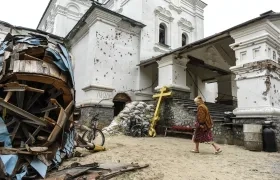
x=223 y=34
x=82 y=22
x=31 y=30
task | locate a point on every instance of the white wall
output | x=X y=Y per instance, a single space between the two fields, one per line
x=170 y=12
x=207 y=90
x=79 y=52
x=62 y=16
x=108 y=60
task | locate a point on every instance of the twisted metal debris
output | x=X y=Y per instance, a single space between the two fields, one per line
x=36 y=104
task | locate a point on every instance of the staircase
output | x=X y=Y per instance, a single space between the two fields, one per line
x=217 y=111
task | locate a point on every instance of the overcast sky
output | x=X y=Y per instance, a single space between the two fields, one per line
x=219 y=14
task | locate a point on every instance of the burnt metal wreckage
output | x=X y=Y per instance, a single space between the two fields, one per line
x=37 y=100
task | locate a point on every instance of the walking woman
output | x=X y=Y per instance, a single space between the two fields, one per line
x=203 y=126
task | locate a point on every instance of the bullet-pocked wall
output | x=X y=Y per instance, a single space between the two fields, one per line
x=106 y=59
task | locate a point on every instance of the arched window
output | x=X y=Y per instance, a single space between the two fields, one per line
x=162 y=33
x=184 y=39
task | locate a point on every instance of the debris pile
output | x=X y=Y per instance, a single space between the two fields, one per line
x=139 y=111
x=36 y=104
x=94 y=171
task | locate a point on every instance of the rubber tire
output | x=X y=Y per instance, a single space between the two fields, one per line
x=136 y=130
x=97 y=131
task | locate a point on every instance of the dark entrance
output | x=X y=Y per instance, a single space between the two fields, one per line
x=120 y=101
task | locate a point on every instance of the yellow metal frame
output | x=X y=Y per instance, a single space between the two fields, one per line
x=156 y=118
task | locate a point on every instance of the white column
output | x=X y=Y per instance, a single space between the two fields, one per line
x=225 y=91
x=172 y=73
x=257 y=70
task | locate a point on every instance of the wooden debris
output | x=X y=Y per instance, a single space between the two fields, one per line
x=36 y=101
x=94 y=171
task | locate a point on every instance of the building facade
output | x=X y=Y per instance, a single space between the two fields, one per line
x=112 y=38
x=125 y=50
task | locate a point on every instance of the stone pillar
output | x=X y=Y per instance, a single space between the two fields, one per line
x=257 y=70
x=172 y=74
x=225 y=91
x=257 y=75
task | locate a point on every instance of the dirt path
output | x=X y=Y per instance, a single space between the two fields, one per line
x=171 y=159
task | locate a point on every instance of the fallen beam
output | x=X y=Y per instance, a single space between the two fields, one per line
x=22 y=112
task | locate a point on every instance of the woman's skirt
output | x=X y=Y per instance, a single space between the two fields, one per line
x=202 y=136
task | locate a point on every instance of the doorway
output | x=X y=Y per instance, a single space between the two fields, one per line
x=120 y=100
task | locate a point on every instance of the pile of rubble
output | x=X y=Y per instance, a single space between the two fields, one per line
x=36 y=104
x=139 y=111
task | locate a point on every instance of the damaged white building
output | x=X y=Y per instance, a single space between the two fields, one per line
x=125 y=50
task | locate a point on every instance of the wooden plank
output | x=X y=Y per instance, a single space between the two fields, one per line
x=39 y=149
x=35 y=89
x=20 y=98
x=22 y=112
x=11 y=122
x=25 y=131
x=4 y=68
x=42 y=138
x=8 y=96
x=58 y=84
x=11 y=151
x=34 y=98
x=63 y=116
x=50 y=120
x=15 y=86
x=15 y=130
x=14 y=57
x=33 y=135
x=38 y=67
x=28 y=57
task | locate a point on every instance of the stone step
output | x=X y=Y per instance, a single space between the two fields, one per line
x=190 y=102
x=215 y=113
x=221 y=109
x=209 y=106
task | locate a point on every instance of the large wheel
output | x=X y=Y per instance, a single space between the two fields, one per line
x=96 y=138
x=136 y=130
x=145 y=130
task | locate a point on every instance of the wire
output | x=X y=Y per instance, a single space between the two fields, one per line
x=131 y=90
x=196 y=84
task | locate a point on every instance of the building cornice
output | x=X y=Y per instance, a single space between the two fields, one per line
x=260 y=26
x=83 y=2
x=265 y=38
x=246 y=68
x=124 y=2
x=184 y=23
x=195 y=3
x=99 y=88
x=164 y=13
x=161 y=48
x=65 y=11
x=99 y=15
x=79 y=36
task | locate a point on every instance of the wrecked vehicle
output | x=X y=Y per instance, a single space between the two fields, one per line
x=37 y=99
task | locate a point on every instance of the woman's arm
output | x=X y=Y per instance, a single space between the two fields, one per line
x=201 y=115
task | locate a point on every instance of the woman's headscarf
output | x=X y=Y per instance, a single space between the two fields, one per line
x=199 y=100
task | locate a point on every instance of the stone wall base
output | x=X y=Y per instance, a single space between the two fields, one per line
x=233 y=134
x=106 y=115
x=172 y=113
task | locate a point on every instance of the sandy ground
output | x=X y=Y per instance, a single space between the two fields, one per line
x=170 y=158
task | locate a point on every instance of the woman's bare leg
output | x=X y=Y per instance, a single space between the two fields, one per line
x=197 y=146
x=215 y=146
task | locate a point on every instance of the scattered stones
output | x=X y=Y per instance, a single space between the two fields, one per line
x=139 y=111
